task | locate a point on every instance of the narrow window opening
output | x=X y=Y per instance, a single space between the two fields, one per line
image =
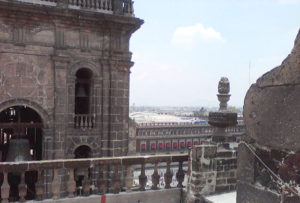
x=83 y=91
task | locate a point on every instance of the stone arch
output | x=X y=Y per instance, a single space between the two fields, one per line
x=74 y=67
x=46 y=119
x=83 y=144
x=83 y=151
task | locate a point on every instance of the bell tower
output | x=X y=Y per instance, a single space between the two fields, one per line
x=64 y=72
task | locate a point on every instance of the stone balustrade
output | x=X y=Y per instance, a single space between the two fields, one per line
x=84 y=121
x=114 y=174
x=120 y=7
x=172 y=124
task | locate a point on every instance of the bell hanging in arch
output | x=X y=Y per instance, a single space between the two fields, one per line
x=18 y=150
x=81 y=92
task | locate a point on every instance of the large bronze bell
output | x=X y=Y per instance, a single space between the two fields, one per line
x=18 y=150
x=81 y=92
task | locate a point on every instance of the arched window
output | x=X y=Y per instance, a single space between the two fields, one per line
x=82 y=175
x=83 y=91
x=82 y=152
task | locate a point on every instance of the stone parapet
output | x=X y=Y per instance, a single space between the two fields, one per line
x=80 y=169
x=268 y=160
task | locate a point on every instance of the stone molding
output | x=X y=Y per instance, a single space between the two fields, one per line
x=47 y=121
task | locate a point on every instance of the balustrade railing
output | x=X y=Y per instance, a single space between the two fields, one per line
x=119 y=178
x=107 y=6
x=84 y=121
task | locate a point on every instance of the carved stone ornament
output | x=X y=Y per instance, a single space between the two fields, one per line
x=224 y=86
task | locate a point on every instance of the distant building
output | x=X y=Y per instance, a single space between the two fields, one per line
x=170 y=137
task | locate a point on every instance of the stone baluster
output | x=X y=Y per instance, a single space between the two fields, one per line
x=5 y=188
x=129 y=178
x=71 y=183
x=89 y=121
x=86 y=182
x=168 y=176
x=81 y=122
x=99 y=4
x=22 y=187
x=56 y=184
x=39 y=186
x=105 y=5
x=110 y=5
x=86 y=121
x=142 y=178
x=131 y=7
x=128 y=6
x=101 y=182
x=180 y=175
x=116 y=179
x=93 y=3
x=155 y=177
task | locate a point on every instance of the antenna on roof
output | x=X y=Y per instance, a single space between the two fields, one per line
x=249 y=76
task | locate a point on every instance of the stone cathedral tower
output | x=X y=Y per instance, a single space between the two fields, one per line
x=64 y=76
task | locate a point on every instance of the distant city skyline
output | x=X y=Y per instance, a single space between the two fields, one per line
x=184 y=48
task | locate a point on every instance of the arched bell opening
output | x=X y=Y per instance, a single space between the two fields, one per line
x=20 y=134
x=83 y=91
x=20 y=140
x=82 y=174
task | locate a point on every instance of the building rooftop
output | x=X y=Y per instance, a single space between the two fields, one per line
x=151 y=117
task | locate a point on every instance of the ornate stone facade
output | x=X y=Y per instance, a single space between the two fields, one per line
x=43 y=47
x=68 y=63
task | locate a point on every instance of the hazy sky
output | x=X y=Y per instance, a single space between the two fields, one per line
x=185 y=46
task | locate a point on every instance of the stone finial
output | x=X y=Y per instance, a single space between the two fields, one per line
x=224 y=86
x=223 y=118
x=223 y=96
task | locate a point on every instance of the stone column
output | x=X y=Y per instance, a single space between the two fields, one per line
x=203 y=175
x=115 y=107
x=60 y=115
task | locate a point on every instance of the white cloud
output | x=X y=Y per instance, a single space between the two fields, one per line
x=190 y=35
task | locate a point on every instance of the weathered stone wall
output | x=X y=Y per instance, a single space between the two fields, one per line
x=268 y=162
x=41 y=49
x=213 y=169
